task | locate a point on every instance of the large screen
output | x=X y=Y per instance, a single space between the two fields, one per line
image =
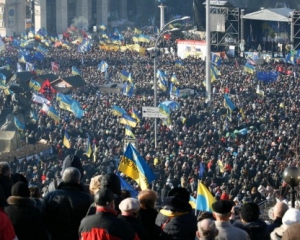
x=217 y=22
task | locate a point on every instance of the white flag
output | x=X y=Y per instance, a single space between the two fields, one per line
x=39 y=99
x=45 y=108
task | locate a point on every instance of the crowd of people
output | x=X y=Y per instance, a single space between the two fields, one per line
x=244 y=169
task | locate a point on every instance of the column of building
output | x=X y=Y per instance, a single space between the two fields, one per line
x=82 y=9
x=40 y=14
x=102 y=12
x=61 y=16
x=123 y=9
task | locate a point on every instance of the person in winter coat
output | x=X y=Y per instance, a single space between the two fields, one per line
x=112 y=182
x=129 y=213
x=25 y=217
x=148 y=213
x=105 y=224
x=7 y=231
x=65 y=207
x=176 y=219
x=5 y=179
x=255 y=227
x=290 y=217
x=69 y=161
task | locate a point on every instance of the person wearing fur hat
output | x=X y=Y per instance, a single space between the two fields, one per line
x=129 y=213
x=25 y=217
x=176 y=219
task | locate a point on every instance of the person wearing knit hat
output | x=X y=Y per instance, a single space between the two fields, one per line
x=129 y=212
x=23 y=213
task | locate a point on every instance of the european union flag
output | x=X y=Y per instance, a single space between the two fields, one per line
x=135 y=167
x=39 y=56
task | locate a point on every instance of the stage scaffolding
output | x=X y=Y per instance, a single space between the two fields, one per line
x=229 y=35
x=295 y=34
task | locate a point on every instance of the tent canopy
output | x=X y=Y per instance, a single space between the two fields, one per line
x=272 y=14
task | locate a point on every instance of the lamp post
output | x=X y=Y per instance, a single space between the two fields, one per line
x=162 y=32
x=291 y=175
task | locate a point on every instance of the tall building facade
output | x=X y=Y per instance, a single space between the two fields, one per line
x=57 y=15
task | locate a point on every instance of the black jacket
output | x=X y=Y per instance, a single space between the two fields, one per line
x=148 y=217
x=6 y=183
x=277 y=223
x=105 y=225
x=63 y=210
x=256 y=230
x=137 y=227
x=26 y=218
x=176 y=221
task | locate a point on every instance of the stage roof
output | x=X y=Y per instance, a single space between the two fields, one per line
x=272 y=14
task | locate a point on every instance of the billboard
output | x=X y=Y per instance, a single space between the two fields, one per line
x=191 y=48
x=217 y=22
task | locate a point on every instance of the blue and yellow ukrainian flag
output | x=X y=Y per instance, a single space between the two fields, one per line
x=5 y=89
x=173 y=90
x=118 y=111
x=65 y=102
x=216 y=60
x=41 y=49
x=88 y=150
x=75 y=71
x=178 y=63
x=35 y=85
x=127 y=120
x=76 y=109
x=162 y=84
x=136 y=115
x=2 y=78
x=53 y=114
x=228 y=103
x=137 y=31
x=192 y=202
x=102 y=66
x=204 y=199
x=124 y=75
x=135 y=167
x=249 y=68
x=20 y=126
x=174 y=79
x=144 y=38
x=33 y=116
x=128 y=90
x=66 y=140
x=128 y=132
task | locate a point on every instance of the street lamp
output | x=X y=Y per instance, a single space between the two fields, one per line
x=162 y=32
x=291 y=175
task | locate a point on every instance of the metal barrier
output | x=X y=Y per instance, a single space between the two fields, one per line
x=265 y=206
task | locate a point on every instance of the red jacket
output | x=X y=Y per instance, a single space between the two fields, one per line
x=7 y=231
x=104 y=225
